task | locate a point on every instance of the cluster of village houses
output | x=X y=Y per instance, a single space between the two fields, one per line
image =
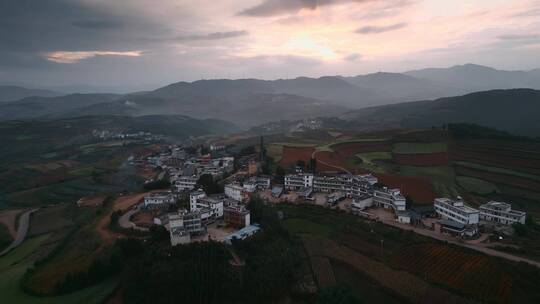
x=456 y=217
x=229 y=208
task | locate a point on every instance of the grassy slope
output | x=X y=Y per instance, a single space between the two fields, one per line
x=14 y=265
x=476 y=185
x=5 y=237
x=420 y=148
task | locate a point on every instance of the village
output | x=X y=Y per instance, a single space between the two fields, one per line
x=191 y=214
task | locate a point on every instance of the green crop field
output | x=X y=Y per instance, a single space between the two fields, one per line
x=476 y=185
x=368 y=159
x=14 y=265
x=420 y=148
x=299 y=226
x=5 y=237
x=499 y=170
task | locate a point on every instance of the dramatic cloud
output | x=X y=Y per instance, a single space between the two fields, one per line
x=372 y=29
x=518 y=37
x=278 y=7
x=213 y=36
x=352 y=57
x=141 y=44
x=73 y=57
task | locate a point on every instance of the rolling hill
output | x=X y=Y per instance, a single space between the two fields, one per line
x=12 y=93
x=514 y=110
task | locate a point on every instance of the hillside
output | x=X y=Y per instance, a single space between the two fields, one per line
x=12 y=93
x=514 y=110
x=41 y=107
x=471 y=77
x=250 y=102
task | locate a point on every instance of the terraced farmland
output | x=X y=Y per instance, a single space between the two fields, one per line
x=469 y=273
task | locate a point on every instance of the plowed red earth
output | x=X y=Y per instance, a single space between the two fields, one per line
x=419 y=189
x=293 y=154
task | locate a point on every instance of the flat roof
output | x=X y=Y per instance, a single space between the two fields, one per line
x=248 y=230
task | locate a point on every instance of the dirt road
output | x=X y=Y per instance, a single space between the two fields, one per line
x=121 y=203
x=22 y=230
x=8 y=218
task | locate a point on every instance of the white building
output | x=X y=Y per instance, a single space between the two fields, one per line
x=158 y=199
x=500 y=212
x=184 y=224
x=234 y=191
x=456 y=210
x=193 y=197
x=298 y=181
x=346 y=183
x=250 y=186
x=263 y=182
x=390 y=199
x=211 y=208
x=185 y=183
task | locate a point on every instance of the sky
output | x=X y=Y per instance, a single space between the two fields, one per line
x=121 y=45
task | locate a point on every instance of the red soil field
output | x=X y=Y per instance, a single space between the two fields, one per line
x=292 y=154
x=419 y=189
x=470 y=273
x=430 y=159
x=333 y=159
x=351 y=149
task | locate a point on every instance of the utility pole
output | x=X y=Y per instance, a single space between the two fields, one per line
x=382 y=248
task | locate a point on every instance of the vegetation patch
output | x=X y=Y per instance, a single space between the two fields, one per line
x=498 y=170
x=301 y=226
x=5 y=237
x=476 y=185
x=419 y=148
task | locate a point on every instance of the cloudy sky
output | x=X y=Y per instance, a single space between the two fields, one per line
x=141 y=44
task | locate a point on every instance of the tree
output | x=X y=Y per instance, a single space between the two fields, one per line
x=337 y=295
x=206 y=181
x=280 y=173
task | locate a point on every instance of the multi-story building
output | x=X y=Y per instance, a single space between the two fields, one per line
x=390 y=199
x=236 y=215
x=502 y=213
x=158 y=199
x=250 y=186
x=185 y=183
x=211 y=208
x=298 y=181
x=194 y=196
x=456 y=210
x=263 y=182
x=234 y=191
x=349 y=184
x=183 y=224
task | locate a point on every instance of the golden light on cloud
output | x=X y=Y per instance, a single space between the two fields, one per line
x=73 y=57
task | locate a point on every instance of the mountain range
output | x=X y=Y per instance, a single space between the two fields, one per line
x=513 y=110
x=249 y=102
x=12 y=93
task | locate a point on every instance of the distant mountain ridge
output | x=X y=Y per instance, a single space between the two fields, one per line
x=12 y=93
x=250 y=102
x=513 y=110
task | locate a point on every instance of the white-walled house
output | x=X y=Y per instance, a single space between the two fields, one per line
x=501 y=213
x=158 y=199
x=234 y=191
x=456 y=210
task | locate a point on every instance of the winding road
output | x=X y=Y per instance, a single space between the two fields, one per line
x=22 y=230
